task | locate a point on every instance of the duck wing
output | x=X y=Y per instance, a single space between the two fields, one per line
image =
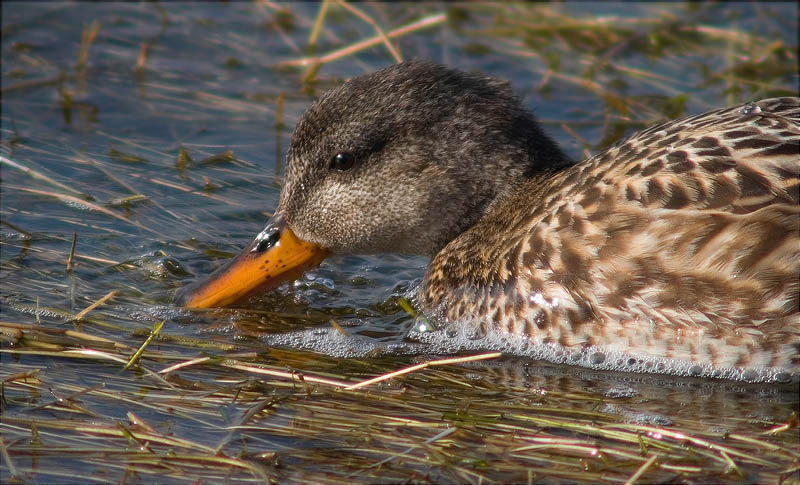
x=681 y=241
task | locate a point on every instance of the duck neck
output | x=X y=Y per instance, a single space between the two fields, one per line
x=525 y=154
x=541 y=160
x=544 y=155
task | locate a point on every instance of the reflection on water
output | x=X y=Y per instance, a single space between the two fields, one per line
x=650 y=399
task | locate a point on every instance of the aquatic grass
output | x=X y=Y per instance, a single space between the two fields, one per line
x=399 y=421
x=599 y=46
x=315 y=63
x=205 y=399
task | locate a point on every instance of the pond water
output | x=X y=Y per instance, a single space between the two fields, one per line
x=154 y=134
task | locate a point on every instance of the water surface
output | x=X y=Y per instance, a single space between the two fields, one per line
x=164 y=164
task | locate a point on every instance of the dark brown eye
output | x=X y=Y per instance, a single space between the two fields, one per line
x=342 y=161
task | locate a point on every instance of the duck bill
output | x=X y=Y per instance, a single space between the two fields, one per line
x=276 y=255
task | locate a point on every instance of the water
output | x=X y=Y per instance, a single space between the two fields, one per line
x=82 y=138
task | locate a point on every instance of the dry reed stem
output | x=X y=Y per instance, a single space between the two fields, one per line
x=425 y=22
x=80 y=158
x=12 y=470
x=273 y=6
x=366 y=18
x=87 y=38
x=36 y=83
x=94 y=305
x=89 y=205
x=192 y=191
x=642 y=469
x=318 y=21
x=432 y=363
x=143 y=51
x=294 y=376
x=181 y=365
x=338 y=327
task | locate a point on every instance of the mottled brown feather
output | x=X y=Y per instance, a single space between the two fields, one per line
x=682 y=241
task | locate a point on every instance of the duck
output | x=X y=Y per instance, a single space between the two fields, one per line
x=679 y=242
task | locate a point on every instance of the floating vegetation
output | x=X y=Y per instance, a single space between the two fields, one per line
x=143 y=142
x=265 y=417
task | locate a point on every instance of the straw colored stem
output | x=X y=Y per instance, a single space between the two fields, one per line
x=94 y=305
x=642 y=469
x=455 y=360
x=425 y=22
x=315 y=31
x=366 y=18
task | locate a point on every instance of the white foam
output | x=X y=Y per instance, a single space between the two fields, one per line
x=460 y=340
x=460 y=337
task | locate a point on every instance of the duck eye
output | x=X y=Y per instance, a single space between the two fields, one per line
x=342 y=161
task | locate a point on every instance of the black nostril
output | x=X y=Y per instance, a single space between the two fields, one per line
x=268 y=238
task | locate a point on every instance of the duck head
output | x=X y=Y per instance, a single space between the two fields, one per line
x=400 y=160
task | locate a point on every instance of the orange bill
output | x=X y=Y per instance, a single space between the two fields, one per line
x=276 y=255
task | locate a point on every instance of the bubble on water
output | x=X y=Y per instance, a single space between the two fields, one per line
x=326 y=341
x=77 y=205
x=474 y=336
x=637 y=417
x=326 y=282
x=750 y=375
x=620 y=391
x=750 y=109
x=783 y=377
x=6 y=236
x=478 y=333
x=423 y=324
x=39 y=311
x=469 y=336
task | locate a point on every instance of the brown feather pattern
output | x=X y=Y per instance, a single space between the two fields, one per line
x=682 y=241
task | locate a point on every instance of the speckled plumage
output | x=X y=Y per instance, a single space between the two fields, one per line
x=682 y=241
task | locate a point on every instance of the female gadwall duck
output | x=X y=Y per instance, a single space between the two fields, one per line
x=680 y=242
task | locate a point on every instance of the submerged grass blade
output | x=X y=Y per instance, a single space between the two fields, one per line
x=153 y=334
x=38 y=175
